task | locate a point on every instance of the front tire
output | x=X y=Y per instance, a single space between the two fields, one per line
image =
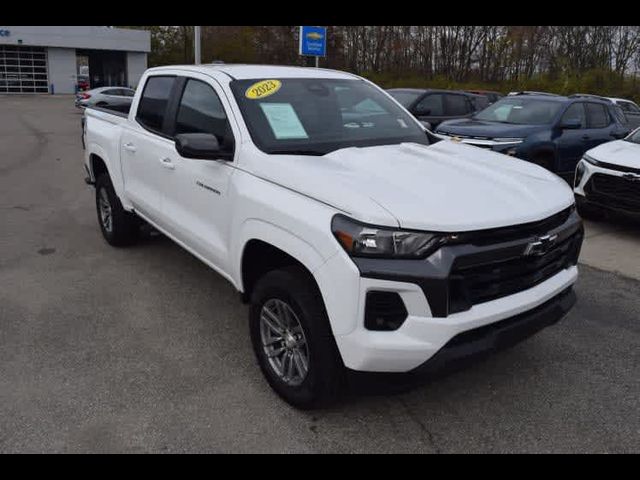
x=119 y=227
x=292 y=339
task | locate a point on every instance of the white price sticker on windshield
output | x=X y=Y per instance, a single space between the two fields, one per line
x=284 y=121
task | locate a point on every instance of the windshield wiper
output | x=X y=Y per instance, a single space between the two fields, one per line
x=317 y=153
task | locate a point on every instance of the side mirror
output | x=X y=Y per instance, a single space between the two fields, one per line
x=426 y=125
x=203 y=146
x=571 y=124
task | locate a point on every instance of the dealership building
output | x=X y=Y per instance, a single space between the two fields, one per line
x=51 y=59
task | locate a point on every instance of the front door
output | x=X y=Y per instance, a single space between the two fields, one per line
x=196 y=192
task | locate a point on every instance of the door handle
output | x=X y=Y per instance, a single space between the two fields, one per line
x=586 y=137
x=167 y=163
x=129 y=147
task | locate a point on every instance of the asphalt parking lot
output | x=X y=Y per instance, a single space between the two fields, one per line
x=146 y=349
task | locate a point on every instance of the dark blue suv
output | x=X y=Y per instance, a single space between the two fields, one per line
x=550 y=130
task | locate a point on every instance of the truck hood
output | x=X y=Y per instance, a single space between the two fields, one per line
x=618 y=152
x=482 y=128
x=446 y=186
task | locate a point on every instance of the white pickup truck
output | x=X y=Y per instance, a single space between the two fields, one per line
x=360 y=240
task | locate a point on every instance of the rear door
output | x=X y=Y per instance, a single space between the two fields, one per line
x=601 y=125
x=196 y=192
x=144 y=146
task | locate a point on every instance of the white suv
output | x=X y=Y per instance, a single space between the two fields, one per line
x=608 y=178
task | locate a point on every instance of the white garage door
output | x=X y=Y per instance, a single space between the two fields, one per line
x=23 y=69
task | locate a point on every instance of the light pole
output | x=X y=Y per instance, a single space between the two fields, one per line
x=196 y=45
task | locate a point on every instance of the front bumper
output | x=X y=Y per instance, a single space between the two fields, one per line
x=430 y=291
x=623 y=201
x=422 y=336
x=469 y=345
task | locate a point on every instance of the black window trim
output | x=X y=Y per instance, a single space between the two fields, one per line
x=166 y=121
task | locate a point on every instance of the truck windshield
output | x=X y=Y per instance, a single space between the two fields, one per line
x=311 y=116
x=521 y=111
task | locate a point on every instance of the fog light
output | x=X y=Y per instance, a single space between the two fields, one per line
x=384 y=311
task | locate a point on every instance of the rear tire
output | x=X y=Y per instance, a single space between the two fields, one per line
x=311 y=345
x=119 y=227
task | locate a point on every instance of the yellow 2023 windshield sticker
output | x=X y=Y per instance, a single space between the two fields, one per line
x=262 y=89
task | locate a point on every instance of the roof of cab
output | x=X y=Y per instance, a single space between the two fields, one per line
x=243 y=72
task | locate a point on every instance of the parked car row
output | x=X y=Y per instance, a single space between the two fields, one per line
x=590 y=140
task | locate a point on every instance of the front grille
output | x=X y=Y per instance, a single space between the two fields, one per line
x=619 y=191
x=618 y=168
x=504 y=234
x=473 y=283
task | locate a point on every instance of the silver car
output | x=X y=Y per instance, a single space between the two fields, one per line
x=116 y=98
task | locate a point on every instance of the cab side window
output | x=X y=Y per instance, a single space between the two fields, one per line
x=457 y=105
x=200 y=111
x=431 y=105
x=575 y=113
x=597 y=115
x=153 y=103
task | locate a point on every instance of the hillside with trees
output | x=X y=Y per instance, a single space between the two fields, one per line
x=561 y=59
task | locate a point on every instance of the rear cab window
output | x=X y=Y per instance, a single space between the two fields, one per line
x=154 y=101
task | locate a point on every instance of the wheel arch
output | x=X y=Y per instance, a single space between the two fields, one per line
x=264 y=247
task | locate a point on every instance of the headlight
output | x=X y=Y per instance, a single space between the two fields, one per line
x=591 y=160
x=509 y=140
x=360 y=240
x=580 y=169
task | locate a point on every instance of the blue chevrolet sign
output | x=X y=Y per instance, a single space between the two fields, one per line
x=313 y=41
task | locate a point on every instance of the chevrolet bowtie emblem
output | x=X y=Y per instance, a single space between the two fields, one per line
x=633 y=177
x=541 y=246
